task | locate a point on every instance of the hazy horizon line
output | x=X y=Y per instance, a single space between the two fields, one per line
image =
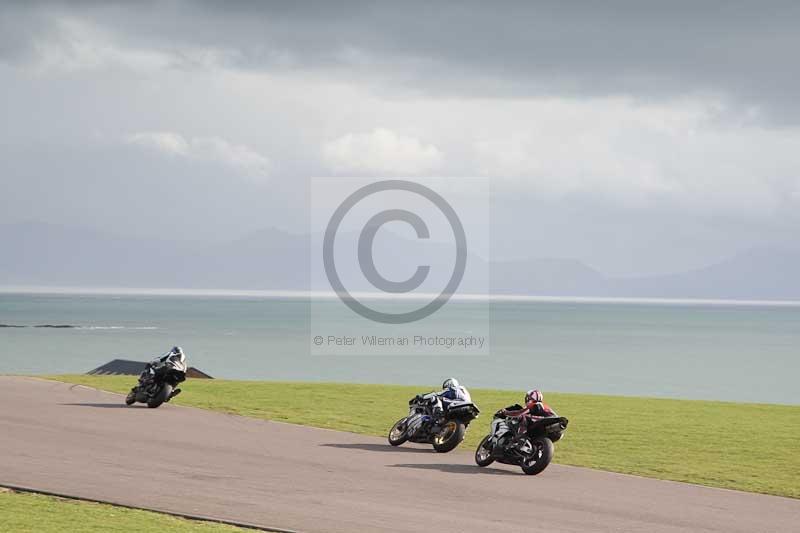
x=304 y=294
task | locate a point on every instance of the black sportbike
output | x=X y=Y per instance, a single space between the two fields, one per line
x=524 y=441
x=444 y=428
x=159 y=383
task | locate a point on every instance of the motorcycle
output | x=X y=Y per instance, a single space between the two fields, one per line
x=527 y=442
x=159 y=384
x=445 y=428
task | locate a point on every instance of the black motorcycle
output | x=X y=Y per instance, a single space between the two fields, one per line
x=158 y=384
x=426 y=424
x=526 y=442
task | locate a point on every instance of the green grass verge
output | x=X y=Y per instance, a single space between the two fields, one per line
x=35 y=513
x=749 y=447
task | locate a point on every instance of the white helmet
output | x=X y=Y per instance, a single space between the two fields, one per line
x=450 y=383
x=177 y=353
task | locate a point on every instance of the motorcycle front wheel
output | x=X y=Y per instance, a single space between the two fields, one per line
x=540 y=457
x=130 y=399
x=449 y=437
x=483 y=455
x=398 y=435
x=161 y=396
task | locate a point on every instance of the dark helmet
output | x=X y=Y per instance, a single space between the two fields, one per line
x=177 y=350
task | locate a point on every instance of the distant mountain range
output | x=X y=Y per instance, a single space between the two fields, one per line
x=49 y=255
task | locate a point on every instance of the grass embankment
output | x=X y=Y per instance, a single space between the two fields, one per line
x=749 y=447
x=34 y=513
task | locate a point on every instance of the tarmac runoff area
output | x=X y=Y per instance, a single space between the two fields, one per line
x=79 y=442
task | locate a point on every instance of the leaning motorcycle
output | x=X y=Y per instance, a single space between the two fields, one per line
x=159 y=385
x=527 y=443
x=425 y=424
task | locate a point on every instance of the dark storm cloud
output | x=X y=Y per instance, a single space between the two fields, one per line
x=742 y=51
x=114 y=113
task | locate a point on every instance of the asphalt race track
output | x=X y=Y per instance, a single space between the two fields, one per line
x=77 y=441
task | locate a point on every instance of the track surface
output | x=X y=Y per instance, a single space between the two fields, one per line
x=85 y=443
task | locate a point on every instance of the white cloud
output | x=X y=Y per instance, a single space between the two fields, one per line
x=381 y=151
x=240 y=158
x=165 y=141
x=634 y=154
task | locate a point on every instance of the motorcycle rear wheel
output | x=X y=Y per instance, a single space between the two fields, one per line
x=483 y=455
x=451 y=436
x=398 y=434
x=543 y=454
x=161 y=396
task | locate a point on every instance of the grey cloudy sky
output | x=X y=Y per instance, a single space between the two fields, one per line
x=638 y=137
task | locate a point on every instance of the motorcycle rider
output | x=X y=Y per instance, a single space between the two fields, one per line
x=451 y=392
x=534 y=407
x=175 y=354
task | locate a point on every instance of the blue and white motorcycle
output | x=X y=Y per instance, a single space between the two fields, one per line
x=429 y=421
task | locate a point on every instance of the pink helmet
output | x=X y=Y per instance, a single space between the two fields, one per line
x=533 y=396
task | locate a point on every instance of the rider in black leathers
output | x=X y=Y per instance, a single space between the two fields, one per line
x=176 y=353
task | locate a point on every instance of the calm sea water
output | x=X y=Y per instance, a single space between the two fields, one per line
x=725 y=352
